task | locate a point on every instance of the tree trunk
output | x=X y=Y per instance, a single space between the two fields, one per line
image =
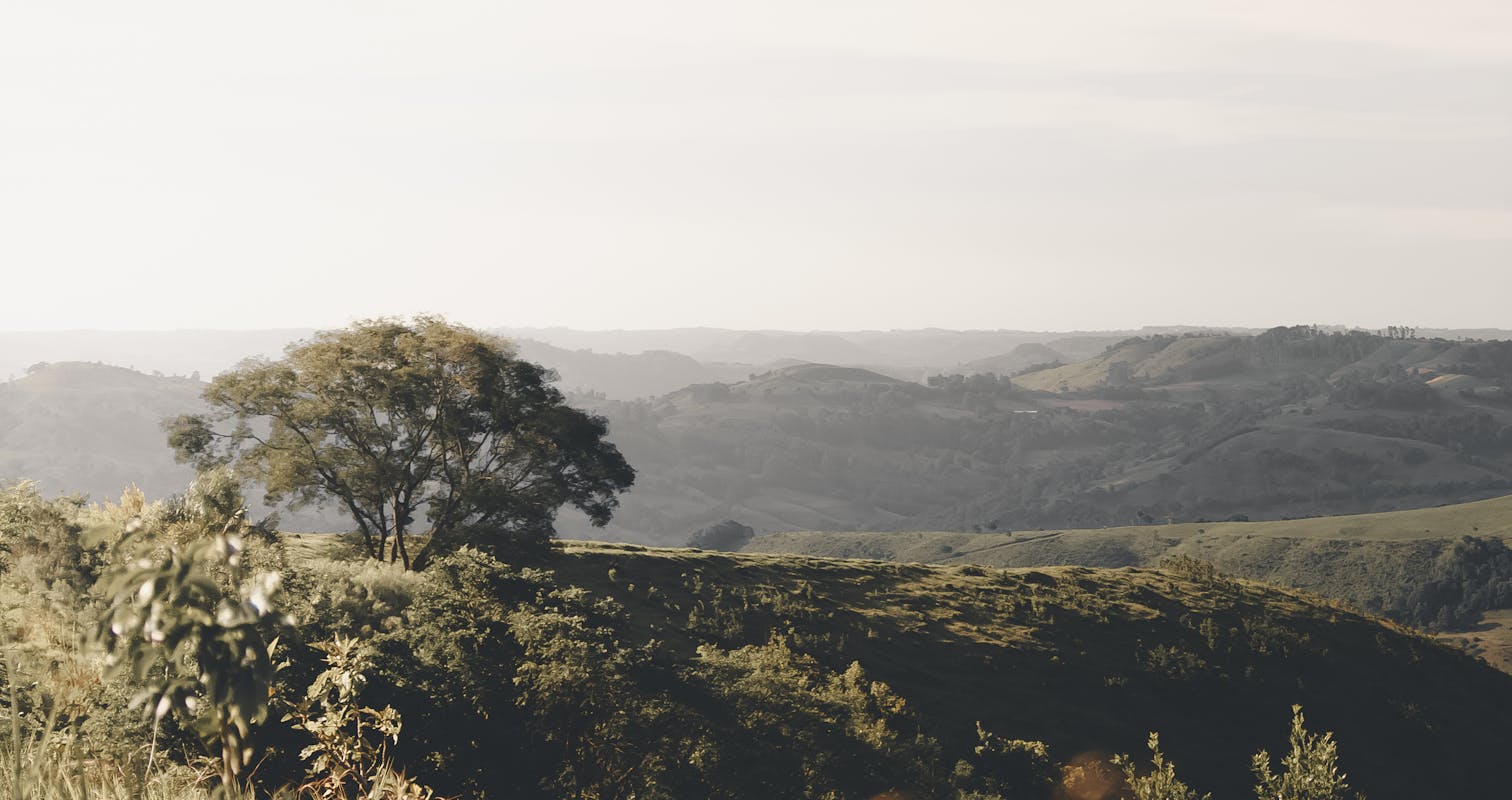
x=402 y=550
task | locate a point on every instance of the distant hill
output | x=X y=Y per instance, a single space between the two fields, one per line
x=920 y=351
x=1279 y=354
x=1017 y=360
x=621 y=376
x=76 y=427
x=181 y=353
x=96 y=429
x=1290 y=423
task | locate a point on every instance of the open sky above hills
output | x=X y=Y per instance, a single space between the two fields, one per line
x=756 y=165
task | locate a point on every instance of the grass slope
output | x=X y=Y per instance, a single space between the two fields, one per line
x=1090 y=660
x=1382 y=562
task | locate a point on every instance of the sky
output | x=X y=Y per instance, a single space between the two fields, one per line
x=777 y=165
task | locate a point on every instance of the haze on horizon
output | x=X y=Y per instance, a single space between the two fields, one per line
x=775 y=165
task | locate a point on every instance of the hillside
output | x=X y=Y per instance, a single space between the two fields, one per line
x=1416 y=566
x=96 y=429
x=1016 y=360
x=1088 y=660
x=77 y=427
x=1295 y=422
x=621 y=376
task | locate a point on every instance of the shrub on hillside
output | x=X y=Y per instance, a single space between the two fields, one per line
x=728 y=535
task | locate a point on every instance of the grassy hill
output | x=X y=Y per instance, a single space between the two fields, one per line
x=1085 y=660
x=1416 y=566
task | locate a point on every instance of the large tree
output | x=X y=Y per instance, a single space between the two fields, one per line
x=395 y=419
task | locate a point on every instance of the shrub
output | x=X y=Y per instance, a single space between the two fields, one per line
x=1160 y=782
x=728 y=535
x=1310 y=769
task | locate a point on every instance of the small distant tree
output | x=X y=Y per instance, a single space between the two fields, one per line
x=1310 y=770
x=393 y=420
x=727 y=535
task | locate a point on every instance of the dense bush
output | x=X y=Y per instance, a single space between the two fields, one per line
x=727 y=535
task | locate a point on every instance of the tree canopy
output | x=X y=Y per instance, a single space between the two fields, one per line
x=395 y=419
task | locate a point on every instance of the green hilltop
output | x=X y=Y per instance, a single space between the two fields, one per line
x=1441 y=568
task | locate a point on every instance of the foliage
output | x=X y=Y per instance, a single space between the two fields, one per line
x=1309 y=770
x=846 y=735
x=1001 y=767
x=350 y=754
x=727 y=535
x=390 y=420
x=196 y=649
x=1160 y=782
x=41 y=538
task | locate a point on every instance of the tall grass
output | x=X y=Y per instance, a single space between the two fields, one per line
x=45 y=760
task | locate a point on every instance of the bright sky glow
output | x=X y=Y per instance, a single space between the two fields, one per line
x=774 y=164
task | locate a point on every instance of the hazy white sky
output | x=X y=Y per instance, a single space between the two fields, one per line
x=773 y=164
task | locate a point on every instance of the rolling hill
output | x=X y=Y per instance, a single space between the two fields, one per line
x=1014 y=361
x=91 y=428
x=1086 y=660
x=1447 y=567
x=1292 y=423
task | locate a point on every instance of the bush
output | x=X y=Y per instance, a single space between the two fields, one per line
x=1310 y=769
x=728 y=535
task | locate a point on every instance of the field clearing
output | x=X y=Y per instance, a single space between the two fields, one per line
x=1491 y=640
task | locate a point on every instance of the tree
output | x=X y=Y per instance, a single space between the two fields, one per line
x=391 y=419
x=728 y=535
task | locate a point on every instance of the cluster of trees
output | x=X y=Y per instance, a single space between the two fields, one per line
x=1387 y=388
x=1469 y=577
